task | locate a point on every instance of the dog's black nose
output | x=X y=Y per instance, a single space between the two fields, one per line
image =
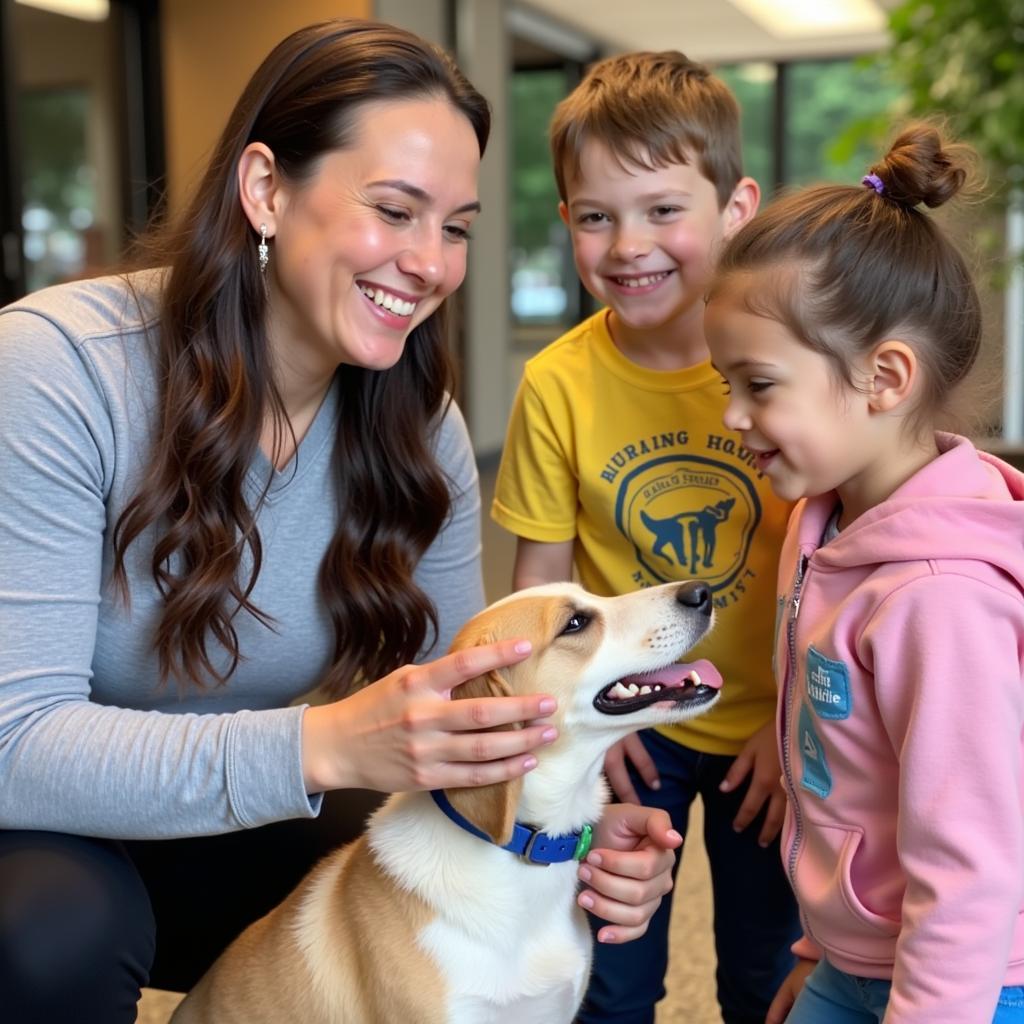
x=695 y=595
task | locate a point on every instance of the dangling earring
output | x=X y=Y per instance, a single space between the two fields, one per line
x=263 y=249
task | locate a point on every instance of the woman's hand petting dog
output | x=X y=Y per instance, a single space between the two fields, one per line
x=629 y=869
x=404 y=732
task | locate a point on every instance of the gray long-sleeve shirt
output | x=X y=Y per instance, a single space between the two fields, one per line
x=89 y=743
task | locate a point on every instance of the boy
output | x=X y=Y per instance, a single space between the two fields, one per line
x=616 y=460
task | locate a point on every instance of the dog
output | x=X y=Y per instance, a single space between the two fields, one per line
x=428 y=917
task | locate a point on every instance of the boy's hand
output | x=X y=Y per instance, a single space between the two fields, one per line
x=760 y=760
x=788 y=991
x=616 y=768
x=628 y=870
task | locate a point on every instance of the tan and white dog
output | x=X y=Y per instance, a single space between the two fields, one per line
x=421 y=920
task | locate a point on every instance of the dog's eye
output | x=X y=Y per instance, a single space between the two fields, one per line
x=577 y=622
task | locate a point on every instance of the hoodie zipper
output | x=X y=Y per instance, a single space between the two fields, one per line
x=788 y=688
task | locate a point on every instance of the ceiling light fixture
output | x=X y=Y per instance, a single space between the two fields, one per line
x=788 y=19
x=84 y=10
x=545 y=32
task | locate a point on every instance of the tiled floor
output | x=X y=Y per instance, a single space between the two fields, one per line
x=691 y=992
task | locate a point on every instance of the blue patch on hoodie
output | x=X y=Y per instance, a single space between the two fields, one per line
x=828 y=686
x=816 y=775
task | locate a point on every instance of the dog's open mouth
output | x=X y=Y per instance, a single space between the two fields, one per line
x=694 y=684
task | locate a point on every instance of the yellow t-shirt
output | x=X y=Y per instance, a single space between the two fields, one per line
x=635 y=466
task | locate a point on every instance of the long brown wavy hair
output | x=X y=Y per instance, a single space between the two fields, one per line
x=217 y=387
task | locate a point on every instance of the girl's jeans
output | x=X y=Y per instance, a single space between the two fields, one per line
x=831 y=996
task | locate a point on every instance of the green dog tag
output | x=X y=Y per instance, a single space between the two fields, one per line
x=583 y=845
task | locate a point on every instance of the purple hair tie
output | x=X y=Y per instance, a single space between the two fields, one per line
x=873 y=181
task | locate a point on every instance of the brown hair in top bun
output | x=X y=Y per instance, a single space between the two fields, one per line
x=921 y=167
x=851 y=265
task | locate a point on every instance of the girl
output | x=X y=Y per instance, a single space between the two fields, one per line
x=229 y=479
x=841 y=319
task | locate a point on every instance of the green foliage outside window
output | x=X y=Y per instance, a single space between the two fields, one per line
x=53 y=146
x=534 y=198
x=965 y=58
x=824 y=99
x=827 y=104
x=540 y=263
x=58 y=187
x=753 y=85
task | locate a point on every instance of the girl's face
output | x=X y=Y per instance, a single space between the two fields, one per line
x=371 y=245
x=809 y=431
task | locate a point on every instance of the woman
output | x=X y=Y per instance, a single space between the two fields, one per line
x=229 y=480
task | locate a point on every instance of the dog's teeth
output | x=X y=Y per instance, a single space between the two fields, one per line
x=619 y=692
x=644 y=690
x=658 y=687
x=633 y=689
x=692 y=677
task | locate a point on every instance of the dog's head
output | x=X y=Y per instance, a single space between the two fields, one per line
x=613 y=665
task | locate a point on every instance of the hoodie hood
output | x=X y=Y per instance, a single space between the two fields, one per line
x=965 y=504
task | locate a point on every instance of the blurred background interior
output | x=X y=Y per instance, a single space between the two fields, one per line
x=108 y=109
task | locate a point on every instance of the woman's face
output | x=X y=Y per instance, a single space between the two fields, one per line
x=370 y=246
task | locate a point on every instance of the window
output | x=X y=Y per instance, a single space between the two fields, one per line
x=81 y=145
x=827 y=103
x=809 y=121
x=62 y=238
x=754 y=87
x=544 y=285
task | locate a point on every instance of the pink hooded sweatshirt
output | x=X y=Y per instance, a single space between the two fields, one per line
x=901 y=707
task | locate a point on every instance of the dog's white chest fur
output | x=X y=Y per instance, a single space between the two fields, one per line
x=508 y=939
x=423 y=921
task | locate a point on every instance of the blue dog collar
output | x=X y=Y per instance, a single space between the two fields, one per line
x=531 y=844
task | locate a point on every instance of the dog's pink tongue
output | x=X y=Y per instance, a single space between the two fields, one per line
x=675 y=675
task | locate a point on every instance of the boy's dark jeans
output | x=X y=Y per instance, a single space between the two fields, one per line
x=755 y=913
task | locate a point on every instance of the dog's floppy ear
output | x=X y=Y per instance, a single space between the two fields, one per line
x=492 y=809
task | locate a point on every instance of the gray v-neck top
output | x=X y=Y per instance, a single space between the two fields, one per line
x=89 y=743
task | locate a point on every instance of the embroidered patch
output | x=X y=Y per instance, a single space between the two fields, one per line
x=816 y=776
x=828 y=686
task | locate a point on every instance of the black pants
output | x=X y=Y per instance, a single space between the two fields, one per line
x=86 y=923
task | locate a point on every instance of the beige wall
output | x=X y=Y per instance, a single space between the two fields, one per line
x=210 y=48
x=483 y=55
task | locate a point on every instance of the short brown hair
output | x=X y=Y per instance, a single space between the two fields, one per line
x=850 y=265
x=651 y=108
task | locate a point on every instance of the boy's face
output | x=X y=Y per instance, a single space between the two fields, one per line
x=645 y=241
